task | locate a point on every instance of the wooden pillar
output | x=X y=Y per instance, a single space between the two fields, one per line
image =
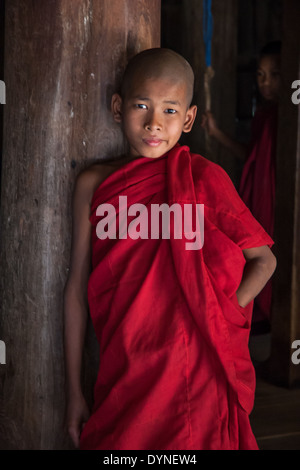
x=63 y=60
x=286 y=294
x=183 y=31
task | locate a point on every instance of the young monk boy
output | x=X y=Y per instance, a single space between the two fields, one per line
x=172 y=319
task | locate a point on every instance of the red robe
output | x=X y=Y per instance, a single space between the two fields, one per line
x=175 y=371
x=257 y=188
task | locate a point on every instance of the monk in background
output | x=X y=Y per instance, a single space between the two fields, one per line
x=257 y=185
x=172 y=323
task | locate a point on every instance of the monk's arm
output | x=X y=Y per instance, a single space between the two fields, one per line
x=237 y=148
x=76 y=308
x=209 y=123
x=259 y=267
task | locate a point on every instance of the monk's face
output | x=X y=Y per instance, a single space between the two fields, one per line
x=154 y=113
x=268 y=77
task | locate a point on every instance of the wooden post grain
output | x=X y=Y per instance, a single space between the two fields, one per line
x=63 y=60
x=286 y=291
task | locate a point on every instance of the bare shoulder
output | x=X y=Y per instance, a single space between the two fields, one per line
x=91 y=177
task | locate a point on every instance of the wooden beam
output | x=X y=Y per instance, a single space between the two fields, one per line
x=286 y=293
x=63 y=61
x=188 y=15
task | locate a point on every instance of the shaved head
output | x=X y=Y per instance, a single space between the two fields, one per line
x=158 y=63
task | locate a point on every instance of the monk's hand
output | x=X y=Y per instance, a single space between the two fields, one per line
x=209 y=123
x=76 y=417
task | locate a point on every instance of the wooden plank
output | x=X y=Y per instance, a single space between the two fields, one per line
x=275 y=419
x=286 y=293
x=63 y=61
x=188 y=15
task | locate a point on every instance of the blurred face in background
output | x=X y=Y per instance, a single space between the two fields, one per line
x=269 y=78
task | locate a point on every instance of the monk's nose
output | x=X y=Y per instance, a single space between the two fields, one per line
x=267 y=80
x=153 y=123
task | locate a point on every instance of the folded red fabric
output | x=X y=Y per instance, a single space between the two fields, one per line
x=175 y=371
x=257 y=187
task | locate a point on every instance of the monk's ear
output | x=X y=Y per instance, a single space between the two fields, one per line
x=116 y=107
x=190 y=118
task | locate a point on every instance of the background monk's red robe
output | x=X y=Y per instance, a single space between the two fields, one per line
x=175 y=371
x=257 y=189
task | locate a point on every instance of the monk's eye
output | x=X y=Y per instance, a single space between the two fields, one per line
x=170 y=111
x=141 y=106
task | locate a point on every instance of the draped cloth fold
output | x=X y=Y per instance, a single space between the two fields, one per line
x=175 y=371
x=257 y=188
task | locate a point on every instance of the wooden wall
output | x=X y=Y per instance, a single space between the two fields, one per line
x=63 y=60
x=286 y=297
x=182 y=31
x=240 y=29
x=2 y=15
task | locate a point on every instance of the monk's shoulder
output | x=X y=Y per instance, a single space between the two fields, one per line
x=91 y=177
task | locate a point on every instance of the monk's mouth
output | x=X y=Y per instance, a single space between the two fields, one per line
x=153 y=142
